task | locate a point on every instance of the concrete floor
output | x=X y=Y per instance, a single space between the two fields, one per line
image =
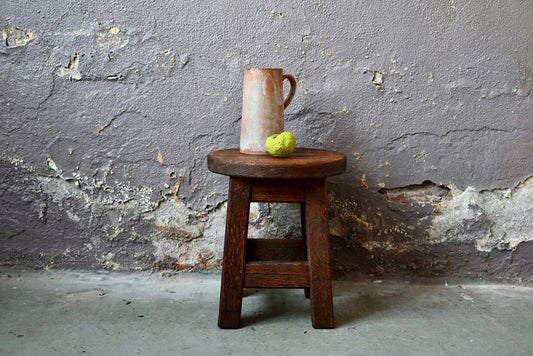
x=101 y=313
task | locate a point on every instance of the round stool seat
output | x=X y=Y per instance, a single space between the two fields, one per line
x=304 y=163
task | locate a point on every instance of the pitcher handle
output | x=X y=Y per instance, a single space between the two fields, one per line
x=292 y=91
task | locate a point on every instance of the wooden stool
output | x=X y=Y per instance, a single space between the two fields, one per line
x=267 y=263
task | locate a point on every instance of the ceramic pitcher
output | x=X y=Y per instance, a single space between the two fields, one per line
x=263 y=107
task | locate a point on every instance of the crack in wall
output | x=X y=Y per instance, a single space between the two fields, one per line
x=106 y=125
x=390 y=144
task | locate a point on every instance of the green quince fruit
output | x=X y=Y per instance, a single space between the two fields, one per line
x=281 y=145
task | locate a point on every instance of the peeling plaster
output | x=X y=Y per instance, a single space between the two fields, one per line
x=111 y=37
x=425 y=193
x=71 y=71
x=186 y=238
x=378 y=79
x=489 y=219
x=496 y=219
x=182 y=238
x=16 y=37
x=275 y=221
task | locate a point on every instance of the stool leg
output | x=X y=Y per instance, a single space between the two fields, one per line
x=307 y=292
x=318 y=254
x=234 y=260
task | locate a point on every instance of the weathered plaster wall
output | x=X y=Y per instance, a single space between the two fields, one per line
x=108 y=110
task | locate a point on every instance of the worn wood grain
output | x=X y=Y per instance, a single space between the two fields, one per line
x=234 y=259
x=302 y=164
x=277 y=275
x=275 y=250
x=307 y=291
x=278 y=190
x=316 y=218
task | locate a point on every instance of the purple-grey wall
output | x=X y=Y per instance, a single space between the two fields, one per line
x=109 y=109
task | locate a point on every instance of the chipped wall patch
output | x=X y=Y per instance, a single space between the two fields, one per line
x=71 y=71
x=364 y=184
x=50 y=162
x=16 y=37
x=111 y=37
x=491 y=219
x=159 y=156
x=378 y=79
x=425 y=193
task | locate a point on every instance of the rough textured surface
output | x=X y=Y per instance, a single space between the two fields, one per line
x=108 y=112
x=92 y=313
